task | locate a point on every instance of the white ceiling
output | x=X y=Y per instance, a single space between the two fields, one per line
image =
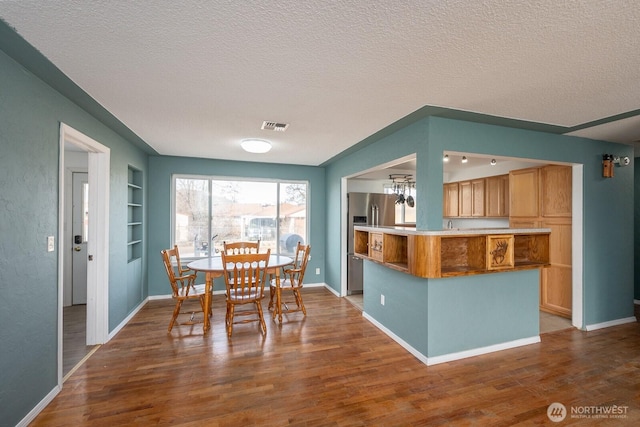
x=193 y=78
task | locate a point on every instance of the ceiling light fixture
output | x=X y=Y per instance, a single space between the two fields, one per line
x=445 y=158
x=464 y=159
x=493 y=162
x=255 y=145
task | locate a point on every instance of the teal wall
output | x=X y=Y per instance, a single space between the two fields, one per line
x=636 y=231
x=607 y=217
x=608 y=203
x=411 y=139
x=30 y=116
x=161 y=169
x=478 y=311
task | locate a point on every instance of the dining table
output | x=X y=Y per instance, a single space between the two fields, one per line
x=212 y=267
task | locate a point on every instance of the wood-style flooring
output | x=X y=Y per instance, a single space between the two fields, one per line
x=74 y=337
x=334 y=368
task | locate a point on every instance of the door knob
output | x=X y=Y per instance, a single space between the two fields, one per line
x=77 y=249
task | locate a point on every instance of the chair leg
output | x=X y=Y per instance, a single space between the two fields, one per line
x=299 y=301
x=263 y=326
x=230 y=310
x=176 y=312
x=272 y=291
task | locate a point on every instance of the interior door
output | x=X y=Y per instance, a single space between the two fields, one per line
x=80 y=227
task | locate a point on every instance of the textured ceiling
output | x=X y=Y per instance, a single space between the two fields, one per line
x=193 y=78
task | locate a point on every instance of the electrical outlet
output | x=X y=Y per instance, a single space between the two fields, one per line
x=51 y=243
x=381 y=299
x=317 y=271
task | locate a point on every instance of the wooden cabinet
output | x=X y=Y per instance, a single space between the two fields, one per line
x=541 y=197
x=450 y=203
x=477 y=197
x=555 y=191
x=497 y=196
x=556 y=281
x=482 y=197
x=471 y=198
x=523 y=193
x=465 y=201
x=449 y=255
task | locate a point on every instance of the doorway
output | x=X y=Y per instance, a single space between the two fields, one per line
x=97 y=236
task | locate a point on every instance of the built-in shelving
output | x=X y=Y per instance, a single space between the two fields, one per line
x=134 y=214
x=449 y=254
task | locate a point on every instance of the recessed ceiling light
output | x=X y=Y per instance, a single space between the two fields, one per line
x=255 y=145
x=445 y=158
x=493 y=162
x=464 y=159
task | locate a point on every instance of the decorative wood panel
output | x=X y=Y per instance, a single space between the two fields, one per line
x=375 y=246
x=500 y=252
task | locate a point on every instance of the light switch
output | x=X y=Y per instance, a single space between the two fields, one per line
x=51 y=243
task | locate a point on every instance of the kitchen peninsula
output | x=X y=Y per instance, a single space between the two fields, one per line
x=450 y=294
x=453 y=252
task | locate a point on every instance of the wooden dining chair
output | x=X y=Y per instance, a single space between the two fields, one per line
x=291 y=282
x=183 y=286
x=236 y=248
x=245 y=275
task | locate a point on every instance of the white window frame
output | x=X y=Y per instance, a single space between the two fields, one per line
x=211 y=178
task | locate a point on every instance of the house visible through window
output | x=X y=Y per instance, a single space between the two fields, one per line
x=209 y=211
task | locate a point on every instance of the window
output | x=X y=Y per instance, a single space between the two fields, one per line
x=404 y=212
x=208 y=211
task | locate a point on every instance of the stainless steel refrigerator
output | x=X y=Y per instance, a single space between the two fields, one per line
x=365 y=209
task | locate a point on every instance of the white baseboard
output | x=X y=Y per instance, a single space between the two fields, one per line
x=483 y=350
x=329 y=288
x=39 y=407
x=610 y=323
x=452 y=356
x=421 y=357
x=128 y=318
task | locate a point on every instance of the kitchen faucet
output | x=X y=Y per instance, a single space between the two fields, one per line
x=450 y=225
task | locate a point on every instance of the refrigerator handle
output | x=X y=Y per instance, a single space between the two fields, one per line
x=374 y=215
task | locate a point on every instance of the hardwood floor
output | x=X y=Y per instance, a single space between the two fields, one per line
x=74 y=338
x=334 y=368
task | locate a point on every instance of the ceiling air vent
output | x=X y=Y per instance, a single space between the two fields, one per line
x=278 y=127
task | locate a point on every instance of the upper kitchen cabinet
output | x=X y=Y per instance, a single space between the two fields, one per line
x=470 y=198
x=524 y=193
x=497 y=196
x=555 y=188
x=450 y=205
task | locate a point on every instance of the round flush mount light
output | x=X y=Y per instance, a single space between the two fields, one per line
x=255 y=145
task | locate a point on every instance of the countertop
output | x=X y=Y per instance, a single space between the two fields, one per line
x=450 y=231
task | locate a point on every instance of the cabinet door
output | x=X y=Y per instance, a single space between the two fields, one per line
x=465 y=208
x=556 y=280
x=555 y=188
x=477 y=197
x=497 y=196
x=450 y=203
x=523 y=193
